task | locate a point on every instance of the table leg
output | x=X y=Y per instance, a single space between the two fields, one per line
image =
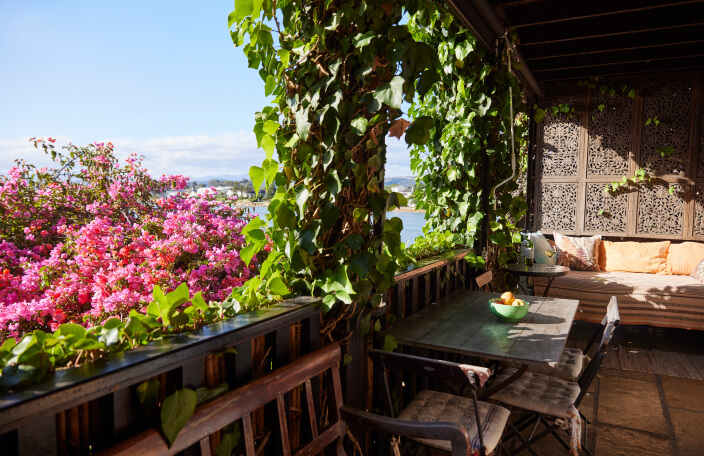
x=545 y=293
x=496 y=388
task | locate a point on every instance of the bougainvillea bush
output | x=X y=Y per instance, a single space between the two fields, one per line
x=89 y=239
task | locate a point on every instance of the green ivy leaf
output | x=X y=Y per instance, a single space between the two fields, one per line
x=359 y=125
x=302 y=124
x=419 y=130
x=178 y=296
x=198 y=302
x=302 y=195
x=391 y=93
x=277 y=286
x=390 y=343
x=257 y=175
x=176 y=411
x=268 y=145
x=229 y=441
x=69 y=329
x=365 y=325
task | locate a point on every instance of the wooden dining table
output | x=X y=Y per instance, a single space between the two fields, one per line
x=463 y=323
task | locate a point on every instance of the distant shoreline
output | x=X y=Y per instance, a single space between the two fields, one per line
x=266 y=203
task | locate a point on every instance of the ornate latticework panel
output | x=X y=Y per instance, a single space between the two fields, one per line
x=699 y=211
x=560 y=144
x=669 y=101
x=605 y=212
x=659 y=211
x=558 y=207
x=609 y=134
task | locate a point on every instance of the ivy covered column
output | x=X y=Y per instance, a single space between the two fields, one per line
x=469 y=187
x=338 y=72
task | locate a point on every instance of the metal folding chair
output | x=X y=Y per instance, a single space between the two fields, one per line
x=550 y=400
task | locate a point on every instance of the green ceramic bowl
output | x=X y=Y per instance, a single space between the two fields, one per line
x=508 y=313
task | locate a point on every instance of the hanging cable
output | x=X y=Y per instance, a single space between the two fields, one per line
x=513 y=149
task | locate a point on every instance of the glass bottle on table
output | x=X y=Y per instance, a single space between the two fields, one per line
x=529 y=251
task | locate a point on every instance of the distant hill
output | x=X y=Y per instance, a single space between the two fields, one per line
x=406 y=181
x=222 y=177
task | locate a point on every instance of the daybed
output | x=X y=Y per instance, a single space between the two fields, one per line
x=668 y=298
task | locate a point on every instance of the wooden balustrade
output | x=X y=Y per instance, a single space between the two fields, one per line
x=82 y=410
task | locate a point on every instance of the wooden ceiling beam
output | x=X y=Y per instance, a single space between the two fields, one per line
x=685 y=34
x=617 y=57
x=553 y=11
x=614 y=25
x=622 y=69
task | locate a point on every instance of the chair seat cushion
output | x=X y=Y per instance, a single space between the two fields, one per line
x=537 y=393
x=570 y=367
x=435 y=407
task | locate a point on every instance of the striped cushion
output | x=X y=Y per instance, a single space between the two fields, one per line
x=570 y=367
x=682 y=258
x=538 y=393
x=643 y=299
x=434 y=407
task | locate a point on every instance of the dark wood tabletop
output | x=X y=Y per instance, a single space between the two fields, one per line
x=463 y=323
x=537 y=270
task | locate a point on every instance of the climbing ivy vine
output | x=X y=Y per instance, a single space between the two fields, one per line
x=338 y=72
x=468 y=110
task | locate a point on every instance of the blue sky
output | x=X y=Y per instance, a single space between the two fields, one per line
x=158 y=78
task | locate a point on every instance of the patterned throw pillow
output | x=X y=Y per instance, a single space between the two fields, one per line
x=698 y=272
x=580 y=254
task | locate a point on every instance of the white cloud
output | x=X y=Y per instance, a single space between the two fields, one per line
x=194 y=156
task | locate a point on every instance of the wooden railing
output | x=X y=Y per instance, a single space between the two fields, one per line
x=82 y=410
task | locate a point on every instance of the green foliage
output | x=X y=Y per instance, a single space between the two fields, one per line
x=433 y=243
x=338 y=73
x=38 y=353
x=640 y=176
x=467 y=109
x=175 y=412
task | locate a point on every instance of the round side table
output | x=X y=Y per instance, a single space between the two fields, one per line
x=537 y=270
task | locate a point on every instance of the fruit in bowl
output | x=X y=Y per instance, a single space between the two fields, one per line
x=513 y=311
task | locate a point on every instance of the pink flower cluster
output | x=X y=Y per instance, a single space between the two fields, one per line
x=85 y=246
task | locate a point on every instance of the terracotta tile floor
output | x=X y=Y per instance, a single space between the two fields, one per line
x=642 y=414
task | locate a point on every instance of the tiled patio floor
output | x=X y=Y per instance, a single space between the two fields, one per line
x=642 y=414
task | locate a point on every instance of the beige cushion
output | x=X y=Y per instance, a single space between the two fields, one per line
x=646 y=257
x=571 y=365
x=435 y=407
x=682 y=258
x=538 y=393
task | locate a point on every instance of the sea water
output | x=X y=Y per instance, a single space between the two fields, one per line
x=412 y=222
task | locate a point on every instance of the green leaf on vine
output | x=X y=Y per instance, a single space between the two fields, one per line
x=418 y=132
x=176 y=411
x=391 y=93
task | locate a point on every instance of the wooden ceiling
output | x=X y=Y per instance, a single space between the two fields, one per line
x=569 y=39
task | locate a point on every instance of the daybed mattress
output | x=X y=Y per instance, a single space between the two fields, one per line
x=643 y=299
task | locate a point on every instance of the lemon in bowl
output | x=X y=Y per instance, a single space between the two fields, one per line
x=509 y=312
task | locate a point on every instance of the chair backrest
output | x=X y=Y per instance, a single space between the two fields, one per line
x=612 y=316
x=241 y=402
x=592 y=369
x=484 y=280
x=443 y=370
x=418 y=365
